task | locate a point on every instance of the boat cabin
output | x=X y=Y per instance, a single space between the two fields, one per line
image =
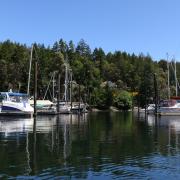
x=168 y=103
x=13 y=97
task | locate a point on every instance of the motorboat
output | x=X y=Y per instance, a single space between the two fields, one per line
x=169 y=107
x=151 y=109
x=79 y=108
x=12 y=103
x=64 y=108
x=44 y=107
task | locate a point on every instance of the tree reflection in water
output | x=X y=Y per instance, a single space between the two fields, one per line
x=92 y=145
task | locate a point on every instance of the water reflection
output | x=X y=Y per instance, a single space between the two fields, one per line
x=8 y=126
x=166 y=131
x=166 y=121
x=37 y=143
x=95 y=145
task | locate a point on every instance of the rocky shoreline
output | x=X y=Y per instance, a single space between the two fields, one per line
x=111 y=109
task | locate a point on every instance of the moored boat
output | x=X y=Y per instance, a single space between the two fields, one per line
x=44 y=107
x=151 y=109
x=79 y=108
x=15 y=104
x=64 y=108
x=169 y=107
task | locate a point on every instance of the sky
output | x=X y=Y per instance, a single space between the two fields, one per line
x=135 y=26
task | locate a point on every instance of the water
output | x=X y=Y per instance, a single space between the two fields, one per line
x=93 y=146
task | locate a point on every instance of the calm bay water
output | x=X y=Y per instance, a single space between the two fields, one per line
x=93 y=146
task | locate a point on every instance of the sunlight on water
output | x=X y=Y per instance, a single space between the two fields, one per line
x=91 y=146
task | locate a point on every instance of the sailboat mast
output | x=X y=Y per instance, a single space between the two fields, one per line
x=175 y=77
x=71 y=88
x=168 y=76
x=53 y=85
x=66 y=83
x=29 y=74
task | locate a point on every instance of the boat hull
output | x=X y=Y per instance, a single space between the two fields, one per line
x=17 y=114
x=169 y=111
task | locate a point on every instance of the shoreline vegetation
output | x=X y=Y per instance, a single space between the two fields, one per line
x=115 y=81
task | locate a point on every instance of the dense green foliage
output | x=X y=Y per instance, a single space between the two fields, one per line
x=123 y=100
x=105 y=79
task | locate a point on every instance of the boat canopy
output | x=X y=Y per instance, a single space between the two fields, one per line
x=13 y=94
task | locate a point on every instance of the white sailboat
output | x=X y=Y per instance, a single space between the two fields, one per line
x=43 y=106
x=170 y=106
x=65 y=105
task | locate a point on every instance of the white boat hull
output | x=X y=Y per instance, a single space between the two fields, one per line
x=15 y=104
x=169 y=111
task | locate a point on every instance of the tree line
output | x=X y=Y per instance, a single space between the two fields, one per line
x=119 y=78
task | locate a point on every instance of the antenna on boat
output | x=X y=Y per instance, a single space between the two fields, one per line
x=29 y=75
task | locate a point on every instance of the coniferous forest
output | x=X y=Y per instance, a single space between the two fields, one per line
x=106 y=79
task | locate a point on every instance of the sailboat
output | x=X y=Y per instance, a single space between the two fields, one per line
x=170 y=106
x=44 y=107
x=65 y=105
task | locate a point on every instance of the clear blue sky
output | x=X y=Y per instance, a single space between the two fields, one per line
x=147 y=26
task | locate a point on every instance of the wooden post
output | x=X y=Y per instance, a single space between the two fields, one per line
x=35 y=88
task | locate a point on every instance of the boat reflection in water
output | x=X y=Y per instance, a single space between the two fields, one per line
x=51 y=134
x=172 y=122
x=15 y=125
x=100 y=145
x=43 y=123
x=166 y=132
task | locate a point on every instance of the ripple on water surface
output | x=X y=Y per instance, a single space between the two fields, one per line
x=94 y=146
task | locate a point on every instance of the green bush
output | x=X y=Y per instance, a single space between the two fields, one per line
x=122 y=100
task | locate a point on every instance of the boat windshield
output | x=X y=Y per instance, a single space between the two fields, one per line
x=2 y=97
x=18 y=98
x=168 y=103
